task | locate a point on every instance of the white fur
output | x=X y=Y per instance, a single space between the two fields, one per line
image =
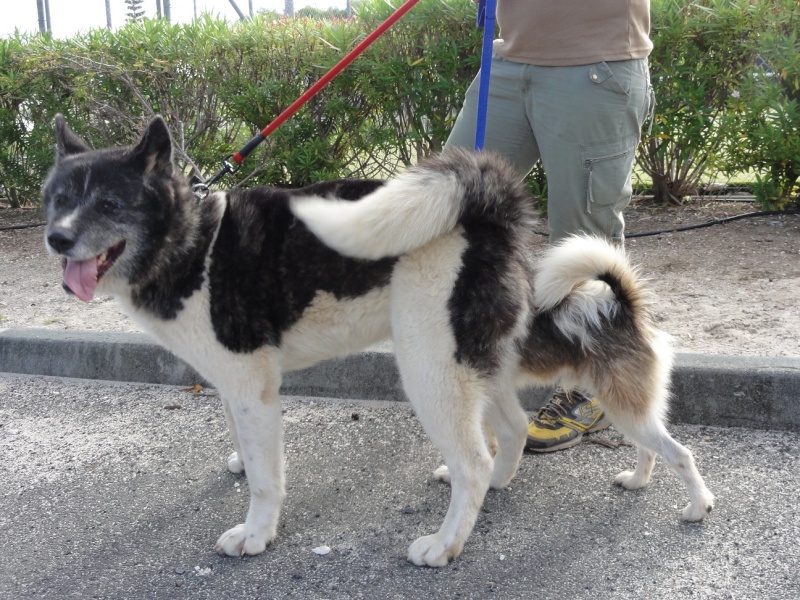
x=249 y=384
x=66 y=221
x=572 y=262
x=569 y=270
x=588 y=305
x=331 y=328
x=405 y=213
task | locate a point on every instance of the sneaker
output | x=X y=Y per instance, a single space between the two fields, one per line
x=562 y=422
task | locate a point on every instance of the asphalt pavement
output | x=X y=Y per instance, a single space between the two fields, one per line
x=119 y=490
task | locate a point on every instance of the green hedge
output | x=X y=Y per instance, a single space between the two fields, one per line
x=218 y=84
x=725 y=73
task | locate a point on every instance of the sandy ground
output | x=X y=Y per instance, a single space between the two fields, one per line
x=726 y=289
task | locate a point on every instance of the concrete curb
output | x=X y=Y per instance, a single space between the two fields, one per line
x=741 y=391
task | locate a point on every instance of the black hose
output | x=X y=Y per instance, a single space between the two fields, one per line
x=25 y=226
x=761 y=213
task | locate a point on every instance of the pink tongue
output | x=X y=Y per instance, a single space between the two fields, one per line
x=80 y=276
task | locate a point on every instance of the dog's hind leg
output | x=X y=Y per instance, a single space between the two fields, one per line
x=652 y=437
x=633 y=390
x=636 y=404
x=449 y=397
x=505 y=426
x=510 y=425
x=640 y=476
x=235 y=462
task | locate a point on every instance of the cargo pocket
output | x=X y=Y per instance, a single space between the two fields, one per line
x=607 y=171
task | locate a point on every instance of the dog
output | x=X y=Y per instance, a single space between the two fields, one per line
x=247 y=285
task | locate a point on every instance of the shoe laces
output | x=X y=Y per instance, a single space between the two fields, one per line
x=555 y=409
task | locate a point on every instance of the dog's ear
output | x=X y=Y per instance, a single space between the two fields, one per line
x=67 y=143
x=153 y=154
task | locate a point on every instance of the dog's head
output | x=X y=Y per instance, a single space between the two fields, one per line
x=101 y=205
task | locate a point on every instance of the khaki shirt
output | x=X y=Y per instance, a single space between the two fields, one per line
x=572 y=32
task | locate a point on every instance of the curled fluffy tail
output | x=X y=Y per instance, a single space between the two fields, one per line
x=585 y=282
x=421 y=204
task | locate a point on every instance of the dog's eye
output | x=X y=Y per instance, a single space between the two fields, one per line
x=60 y=200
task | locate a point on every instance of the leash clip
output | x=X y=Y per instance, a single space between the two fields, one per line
x=199 y=188
x=228 y=166
x=200 y=191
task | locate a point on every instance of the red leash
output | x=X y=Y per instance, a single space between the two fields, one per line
x=242 y=154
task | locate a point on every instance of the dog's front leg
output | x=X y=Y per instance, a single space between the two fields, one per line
x=257 y=423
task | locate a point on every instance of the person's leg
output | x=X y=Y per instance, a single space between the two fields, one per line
x=587 y=121
x=508 y=130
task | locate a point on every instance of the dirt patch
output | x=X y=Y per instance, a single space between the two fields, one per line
x=726 y=289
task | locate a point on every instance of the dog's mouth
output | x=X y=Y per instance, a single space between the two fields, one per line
x=81 y=276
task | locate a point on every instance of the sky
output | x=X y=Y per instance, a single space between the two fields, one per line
x=70 y=16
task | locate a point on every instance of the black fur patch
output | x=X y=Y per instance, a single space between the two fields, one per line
x=546 y=349
x=168 y=273
x=620 y=293
x=341 y=189
x=267 y=267
x=486 y=301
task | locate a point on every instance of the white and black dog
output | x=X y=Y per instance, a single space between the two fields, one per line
x=249 y=284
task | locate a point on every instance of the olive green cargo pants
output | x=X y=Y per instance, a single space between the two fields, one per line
x=583 y=122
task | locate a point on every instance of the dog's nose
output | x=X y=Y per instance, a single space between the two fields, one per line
x=60 y=241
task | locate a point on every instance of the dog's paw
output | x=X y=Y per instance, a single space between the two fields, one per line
x=631 y=481
x=240 y=541
x=431 y=551
x=235 y=464
x=697 y=511
x=442 y=474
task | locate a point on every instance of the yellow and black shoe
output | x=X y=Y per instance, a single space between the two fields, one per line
x=561 y=423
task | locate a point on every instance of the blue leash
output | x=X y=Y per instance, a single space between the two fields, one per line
x=486 y=21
